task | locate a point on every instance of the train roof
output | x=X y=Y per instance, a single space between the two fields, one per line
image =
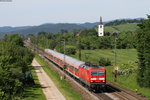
x=68 y=59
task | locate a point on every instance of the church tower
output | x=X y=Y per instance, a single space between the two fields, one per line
x=101 y=28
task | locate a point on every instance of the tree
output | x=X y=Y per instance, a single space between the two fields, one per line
x=104 y=61
x=143 y=48
x=14 y=39
x=14 y=63
x=126 y=40
x=70 y=49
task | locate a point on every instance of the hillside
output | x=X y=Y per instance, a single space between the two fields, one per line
x=51 y=28
x=9 y=28
x=121 y=27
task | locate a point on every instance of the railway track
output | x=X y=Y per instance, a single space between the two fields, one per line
x=113 y=92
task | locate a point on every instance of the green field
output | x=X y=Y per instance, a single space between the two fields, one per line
x=121 y=27
x=34 y=92
x=126 y=57
x=62 y=85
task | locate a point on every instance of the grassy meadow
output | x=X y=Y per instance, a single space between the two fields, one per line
x=124 y=56
x=121 y=27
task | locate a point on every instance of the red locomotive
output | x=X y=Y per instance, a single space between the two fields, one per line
x=91 y=75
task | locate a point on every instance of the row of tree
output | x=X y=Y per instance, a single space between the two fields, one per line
x=14 y=64
x=124 y=21
x=85 y=39
x=143 y=49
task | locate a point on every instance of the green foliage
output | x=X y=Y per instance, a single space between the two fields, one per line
x=127 y=81
x=33 y=92
x=14 y=39
x=104 y=61
x=123 y=21
x=124 y=56
x=14 y=61
x=126 y=71
x=85 y=39
x=126 y=40
x=10 y=86
x=59 y=48
x=122 y=28
x=105 y=42
x=70 y=49
x=127 y=68
x=143 y=48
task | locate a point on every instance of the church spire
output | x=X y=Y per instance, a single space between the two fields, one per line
x=101 y=20
x=101 y=28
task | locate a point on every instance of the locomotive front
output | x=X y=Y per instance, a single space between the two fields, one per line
x=97 y=77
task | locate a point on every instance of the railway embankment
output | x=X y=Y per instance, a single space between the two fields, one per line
x=71 y=89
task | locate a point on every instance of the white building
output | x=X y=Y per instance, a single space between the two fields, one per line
x=101 y=28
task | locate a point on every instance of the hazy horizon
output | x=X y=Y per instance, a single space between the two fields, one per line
x=33 y=12
x=64 y=23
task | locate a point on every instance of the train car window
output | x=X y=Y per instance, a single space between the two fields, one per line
x=70 y=67
x=67 y=65
x=84 y=66
x=88 y=63
x=61 y=61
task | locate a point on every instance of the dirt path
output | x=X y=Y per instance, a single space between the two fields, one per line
x=48 y=87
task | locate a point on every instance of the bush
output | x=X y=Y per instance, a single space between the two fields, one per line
x=126 y=71
x=104 y=61
x=70 y=49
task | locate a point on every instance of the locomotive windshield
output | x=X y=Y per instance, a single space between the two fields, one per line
x=97 y=73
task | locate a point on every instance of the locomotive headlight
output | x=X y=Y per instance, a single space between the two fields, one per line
x=101 y=78
x=93 y=78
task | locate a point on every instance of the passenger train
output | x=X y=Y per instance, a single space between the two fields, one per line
x=89 y=74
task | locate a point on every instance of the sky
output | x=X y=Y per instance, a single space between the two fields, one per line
x=36 y=12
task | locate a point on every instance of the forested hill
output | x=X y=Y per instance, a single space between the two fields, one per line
x=51 y=28
x=119 y=25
